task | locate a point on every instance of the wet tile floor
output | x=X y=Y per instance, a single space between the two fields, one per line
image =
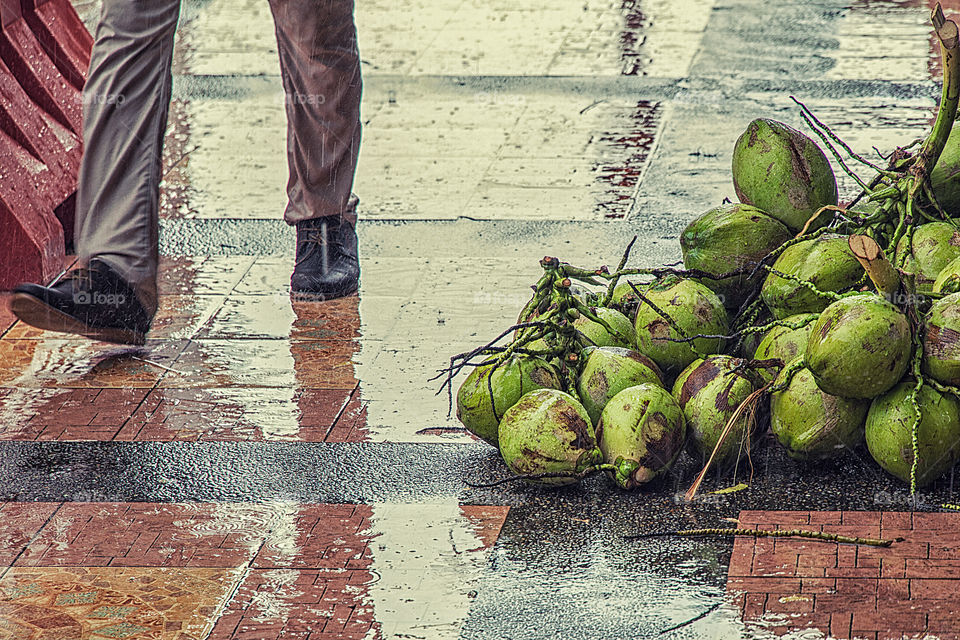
x=513 y=116
x=241 y=360
x=196 y=571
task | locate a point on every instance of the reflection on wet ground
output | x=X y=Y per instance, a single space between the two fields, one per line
x=281 y=568
x=302 y=477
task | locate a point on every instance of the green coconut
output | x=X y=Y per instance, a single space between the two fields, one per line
x=784 y=173
x=889 y=432
x=709 y=391
x=811 y=424
x=641 y=432
x=548 y=431
x=596 y=334
x=694 y=308
x=948 y=280
x=932 y=247
x=730 y=237
x=941 y=342
x=826 y=262
x=789 y=340
x=623 y=294
x=512 y=379
x=607 y=371
x=945 y=176
x=860 y=347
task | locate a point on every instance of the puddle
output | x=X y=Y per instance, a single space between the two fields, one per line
x=268 y=526
x=428 y=559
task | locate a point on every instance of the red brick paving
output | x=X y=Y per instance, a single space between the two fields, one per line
x=163 y=415
x=325 y=582
x=328 y=580
x=352 y=424
x=487 y=521
x=251 y=414
x=328 y=604
x=19 y=523
x=308 y=565
x=67 y=414
x=847 y=591
x=330 y=536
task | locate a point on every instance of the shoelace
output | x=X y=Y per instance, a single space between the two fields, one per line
x=319 y=238
x=312 y=240
x=81 y=278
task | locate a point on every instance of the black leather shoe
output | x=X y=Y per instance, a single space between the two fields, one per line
x=327 y=264
x=92 y=301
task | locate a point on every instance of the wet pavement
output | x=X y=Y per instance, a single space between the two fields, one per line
x=267 y=469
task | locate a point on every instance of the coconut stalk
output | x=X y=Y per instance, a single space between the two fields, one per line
x=932 y=147
x=902 y=191
x=871 y=257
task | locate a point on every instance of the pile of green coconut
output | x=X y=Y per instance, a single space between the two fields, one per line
x=830 y=326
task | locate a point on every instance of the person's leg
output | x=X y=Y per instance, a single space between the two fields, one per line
x=320 y=65
x=126 y=99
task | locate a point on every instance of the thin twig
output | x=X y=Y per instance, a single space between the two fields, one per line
x=613 y=282
x=174 y=164
x=761 y=533
x=747 y=403
x=853 y=154
x=158 y=365
x=692 y=620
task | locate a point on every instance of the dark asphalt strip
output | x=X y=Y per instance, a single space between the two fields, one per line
x=406 y=472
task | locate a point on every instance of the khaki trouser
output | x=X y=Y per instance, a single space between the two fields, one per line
x=126 y=100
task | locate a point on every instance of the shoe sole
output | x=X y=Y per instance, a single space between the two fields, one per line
x=37 y=313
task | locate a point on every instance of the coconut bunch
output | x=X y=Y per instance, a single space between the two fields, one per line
x=830 y=325
x=571 y=393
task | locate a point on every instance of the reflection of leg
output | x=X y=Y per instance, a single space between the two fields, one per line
x=126 y=98
x=125 y=113
x=320 y=65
